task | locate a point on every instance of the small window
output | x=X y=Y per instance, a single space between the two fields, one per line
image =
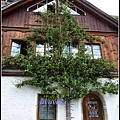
x=46 y=108
x=43 y=49
x=93 y=50
x=18 y=47
x=72 y=49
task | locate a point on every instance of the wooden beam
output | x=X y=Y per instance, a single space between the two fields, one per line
x=104 y=33
x=11 y=28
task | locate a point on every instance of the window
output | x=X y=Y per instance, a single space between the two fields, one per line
x=93 y=50
x=43 y=49
x=72 y=49
x=46 y=108
x=45 y=5
x=18 y=47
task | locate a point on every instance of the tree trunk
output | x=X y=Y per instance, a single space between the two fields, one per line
x=68 y=111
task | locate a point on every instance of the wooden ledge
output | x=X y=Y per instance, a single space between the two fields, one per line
x=11 y=72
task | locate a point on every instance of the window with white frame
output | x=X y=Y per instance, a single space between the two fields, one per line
x=93 y=50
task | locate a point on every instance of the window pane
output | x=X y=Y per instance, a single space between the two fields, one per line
x=51 y=111
x=74 y=49
x=15 y=50
x=96 y=47
x=96 y=56
x=49 y=49
x=47 y=110
x=43 y=111
x=89 y=49
x=40 y=49
x=65 y=50
x=43 y=49
x=96 y=52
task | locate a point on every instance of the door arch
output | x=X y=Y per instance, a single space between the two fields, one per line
x=92 y=107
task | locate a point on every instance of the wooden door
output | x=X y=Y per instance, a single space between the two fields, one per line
x=92 y=108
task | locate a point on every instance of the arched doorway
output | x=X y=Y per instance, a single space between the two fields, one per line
x=92 y=107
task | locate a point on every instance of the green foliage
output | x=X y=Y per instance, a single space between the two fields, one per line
x=115 y=16
x=69 y=77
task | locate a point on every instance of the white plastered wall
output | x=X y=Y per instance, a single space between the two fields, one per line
x=20 y=103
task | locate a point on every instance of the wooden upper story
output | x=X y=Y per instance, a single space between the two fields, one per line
x=16 y=20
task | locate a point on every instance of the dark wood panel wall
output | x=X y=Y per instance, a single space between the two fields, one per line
x=91 y=23
x=109 y=53
x=14 y=26
x=16 y=18
x=22 y=18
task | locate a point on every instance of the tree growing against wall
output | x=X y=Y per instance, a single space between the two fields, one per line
x=67 y=75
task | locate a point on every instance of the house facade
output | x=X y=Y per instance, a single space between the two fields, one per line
x=22 y=103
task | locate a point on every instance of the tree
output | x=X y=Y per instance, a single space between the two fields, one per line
x=67 y=75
